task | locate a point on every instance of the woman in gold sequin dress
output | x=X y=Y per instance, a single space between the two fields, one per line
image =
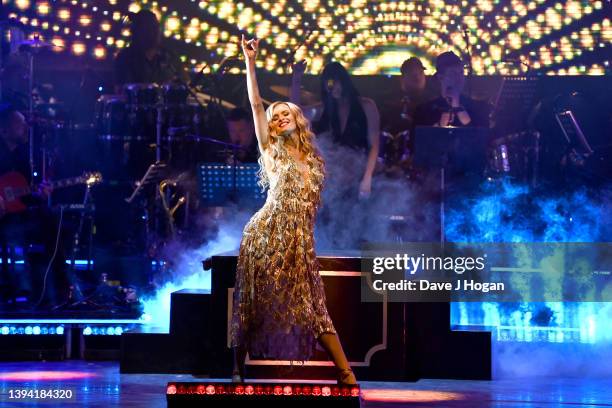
x=279 y=307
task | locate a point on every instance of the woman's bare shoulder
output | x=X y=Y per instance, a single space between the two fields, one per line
x=367 y=102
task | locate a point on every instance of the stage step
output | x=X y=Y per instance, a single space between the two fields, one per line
x=383 y=341
x=183 y=349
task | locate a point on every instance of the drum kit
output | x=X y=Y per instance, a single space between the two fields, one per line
x=395 y=156
x=513 y=156
x=153 y=123
x=142 y=125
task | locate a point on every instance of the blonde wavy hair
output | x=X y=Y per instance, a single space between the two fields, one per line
x=305 y=140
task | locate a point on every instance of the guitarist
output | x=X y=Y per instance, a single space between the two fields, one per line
x=13 y=142
x=14 y=152
x=36 y=225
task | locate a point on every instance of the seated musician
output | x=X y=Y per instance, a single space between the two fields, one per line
x=14 y=154
x=397 y=116
x=452 y=108
x=146 y=60
x=31 y=222
x=416 y=89
x=242 y=133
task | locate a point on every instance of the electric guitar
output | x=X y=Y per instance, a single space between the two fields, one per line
x=14 y=186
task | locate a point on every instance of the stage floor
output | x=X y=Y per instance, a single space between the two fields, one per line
x=99 y=384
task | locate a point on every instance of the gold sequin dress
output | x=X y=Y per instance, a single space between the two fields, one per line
x=279 y=302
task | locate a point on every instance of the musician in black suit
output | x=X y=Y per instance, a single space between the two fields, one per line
x=452 y=107
x=13 y=143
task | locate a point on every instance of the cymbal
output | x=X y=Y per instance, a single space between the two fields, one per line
x=203 y=98
x=111 y=97
x=49 y=105
x=307 y=97
x=37 y=43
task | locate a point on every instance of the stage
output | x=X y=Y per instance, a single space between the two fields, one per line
x=418 y=193
x=100 y=384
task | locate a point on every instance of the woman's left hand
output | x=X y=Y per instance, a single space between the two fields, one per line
x=365 y=187
x=250 y=49
x=298 y=68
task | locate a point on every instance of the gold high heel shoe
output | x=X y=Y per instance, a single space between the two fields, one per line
x=346 y=377
x=237 y=377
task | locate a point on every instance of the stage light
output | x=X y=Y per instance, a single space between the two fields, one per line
x=353 y=36
x=172 y=23
x=85 y=20
x=87 y=331
x=5 y=330
x=134 y=8
x=271 y=392
x=43 y=8
x=63 y=14
x=21 y=376
x=36 y=330
x=410 y=396
x=22 y=4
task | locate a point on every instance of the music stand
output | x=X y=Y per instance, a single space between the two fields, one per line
x=454 y=149
x=156 y=172
x=513 y=101
x=573 y=133
x=221 y=183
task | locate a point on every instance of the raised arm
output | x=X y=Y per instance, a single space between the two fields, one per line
x=312 y=112
x=250 y=48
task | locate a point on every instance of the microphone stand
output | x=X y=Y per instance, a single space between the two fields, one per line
x=451 y=111
x=468 y=56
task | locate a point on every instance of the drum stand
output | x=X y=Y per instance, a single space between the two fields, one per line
x=75 y=296
x=158 y=132
x=155 y=173
x=444 y=149
x=31 y=115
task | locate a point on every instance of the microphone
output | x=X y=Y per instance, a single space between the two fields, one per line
x=224 y=64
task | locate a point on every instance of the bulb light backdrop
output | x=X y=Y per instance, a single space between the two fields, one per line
x=500 y=37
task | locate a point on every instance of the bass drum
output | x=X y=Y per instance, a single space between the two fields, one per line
x=395 y=154
x=142 y=95
x=185 y=135
x=175 y=95
x=122 y=153
x=112 y=118
x=513 y=156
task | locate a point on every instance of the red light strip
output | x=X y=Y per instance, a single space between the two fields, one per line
x=263 y=389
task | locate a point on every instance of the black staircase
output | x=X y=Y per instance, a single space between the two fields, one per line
x=384 y=341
